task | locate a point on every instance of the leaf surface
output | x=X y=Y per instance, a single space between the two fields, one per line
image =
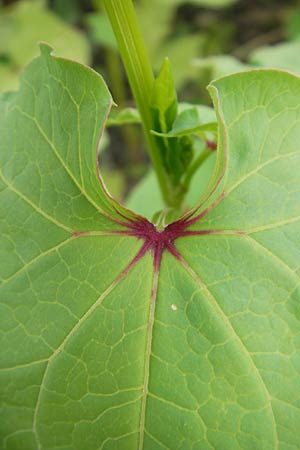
x=117 y=336
x=192 y=120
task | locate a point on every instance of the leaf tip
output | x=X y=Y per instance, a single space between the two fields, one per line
x=45 y=49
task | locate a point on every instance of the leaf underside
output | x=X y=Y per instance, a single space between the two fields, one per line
x=190 y=344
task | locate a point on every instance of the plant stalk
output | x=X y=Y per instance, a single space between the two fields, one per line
x=195 y=166
x=137 y=64
x=116 y=83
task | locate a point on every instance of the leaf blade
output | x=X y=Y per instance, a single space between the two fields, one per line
x=216 y=362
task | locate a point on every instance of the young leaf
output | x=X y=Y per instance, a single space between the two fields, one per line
x=117 y=335
x=192 y=120
x=164 y=99
x=176 y=153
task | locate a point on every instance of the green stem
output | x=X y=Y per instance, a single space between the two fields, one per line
x=137 y=64
x=195 y=166
x=116 y=84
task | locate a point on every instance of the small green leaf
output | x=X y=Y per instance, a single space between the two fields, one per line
x=192 y=120
x=164 y=99
x=176 y=153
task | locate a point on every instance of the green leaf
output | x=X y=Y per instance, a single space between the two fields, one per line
x=117 y=336
x=192 y=120
x=146 y=199
x=176 y=153
x=164 y=99
x=189 y=116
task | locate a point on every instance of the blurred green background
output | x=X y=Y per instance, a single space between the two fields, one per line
x=204 y=39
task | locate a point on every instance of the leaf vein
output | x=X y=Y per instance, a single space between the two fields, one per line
x=275 y=258
x=148 y=358
x=71 y=333
x=33 y=205
x=63 y=164
x=35 y=259
x=258 y=168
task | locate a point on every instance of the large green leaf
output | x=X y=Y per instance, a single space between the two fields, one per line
x=117 y=336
